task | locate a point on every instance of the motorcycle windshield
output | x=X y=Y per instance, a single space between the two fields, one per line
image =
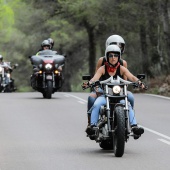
x=47 y=55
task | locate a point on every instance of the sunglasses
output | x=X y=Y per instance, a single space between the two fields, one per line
x=113 y=54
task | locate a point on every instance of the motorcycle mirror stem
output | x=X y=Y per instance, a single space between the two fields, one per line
x=141 y=76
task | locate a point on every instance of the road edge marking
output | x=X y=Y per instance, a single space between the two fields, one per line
x=164 y=141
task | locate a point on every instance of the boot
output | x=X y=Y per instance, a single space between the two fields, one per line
x=137 y=131
x=88 y=117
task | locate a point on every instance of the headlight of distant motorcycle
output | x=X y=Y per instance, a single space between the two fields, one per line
x=48 y=66
x=116 y=89
x=8 y=75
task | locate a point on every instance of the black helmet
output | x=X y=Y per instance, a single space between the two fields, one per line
x=46 y=43
x=51 y=41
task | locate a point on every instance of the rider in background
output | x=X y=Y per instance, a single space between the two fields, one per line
x=45 y=45
x=1 y=60
x=8 y=69
x=7 y=65
x=51 y=41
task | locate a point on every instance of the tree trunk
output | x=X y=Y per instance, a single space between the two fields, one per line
x=166 y=28
x=92 y=47
x=144 y=49
x=153 y=24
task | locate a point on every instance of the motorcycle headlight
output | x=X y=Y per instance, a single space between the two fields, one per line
x=8 y=75
x=48 y=66
x=116 y=89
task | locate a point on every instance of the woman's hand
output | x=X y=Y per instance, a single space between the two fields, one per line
x=85 y=85
x=142 y=85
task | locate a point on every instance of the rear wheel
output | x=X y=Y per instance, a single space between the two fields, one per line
x=119 y=134
x=49 y=89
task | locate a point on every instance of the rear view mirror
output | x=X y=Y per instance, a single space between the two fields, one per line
x=86 y=77
x=65 y=55
x=141 y=76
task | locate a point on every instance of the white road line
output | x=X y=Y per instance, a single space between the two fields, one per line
x=157 y=133
x=159 y=96
x=82 y=102
x=76 y=97
x=164 y=141
x=150 y=130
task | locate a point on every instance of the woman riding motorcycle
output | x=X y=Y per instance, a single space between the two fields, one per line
x=113 y=68
x=117 y=40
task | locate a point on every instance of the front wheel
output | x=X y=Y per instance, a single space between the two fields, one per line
x=49 y=89
x=119 y=134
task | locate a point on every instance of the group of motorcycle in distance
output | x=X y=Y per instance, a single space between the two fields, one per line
x=47 y=75
x=6 y=81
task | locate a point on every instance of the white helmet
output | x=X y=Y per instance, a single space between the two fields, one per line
x=118 y=40
x=114 y=49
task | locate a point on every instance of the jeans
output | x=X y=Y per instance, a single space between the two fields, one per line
x=91 y=101
x=101 y=100
x=130 y=98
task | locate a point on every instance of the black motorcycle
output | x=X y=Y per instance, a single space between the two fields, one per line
x=113 y=127
x=47 y=75
x=6 y=82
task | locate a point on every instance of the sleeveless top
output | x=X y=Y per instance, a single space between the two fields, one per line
x=106 y=75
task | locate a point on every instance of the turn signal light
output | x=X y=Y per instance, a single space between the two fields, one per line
x=56 y=71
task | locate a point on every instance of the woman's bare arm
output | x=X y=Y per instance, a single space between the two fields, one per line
x=125 y=72
x=98 y=74
x=124 y=63
x=99 y=63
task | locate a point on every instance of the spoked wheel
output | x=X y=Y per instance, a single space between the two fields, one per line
x=119 y=134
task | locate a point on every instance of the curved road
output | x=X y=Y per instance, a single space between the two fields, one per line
x=48 y=134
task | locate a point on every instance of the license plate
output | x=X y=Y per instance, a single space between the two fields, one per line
x=49 y=77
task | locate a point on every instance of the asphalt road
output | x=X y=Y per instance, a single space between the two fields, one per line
x=48 y=134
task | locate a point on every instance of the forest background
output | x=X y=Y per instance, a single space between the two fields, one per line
x=80 y=29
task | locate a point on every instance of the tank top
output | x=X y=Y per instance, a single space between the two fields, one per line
x=106 y=75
